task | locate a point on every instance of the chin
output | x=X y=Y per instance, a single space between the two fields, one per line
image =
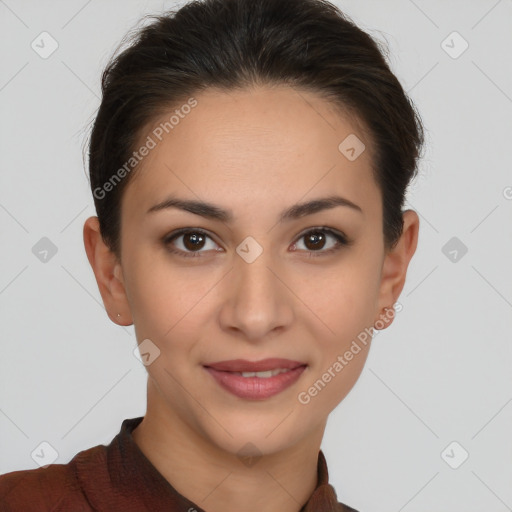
x=265 y=434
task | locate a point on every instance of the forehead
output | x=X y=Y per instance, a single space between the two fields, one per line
x=253 y=145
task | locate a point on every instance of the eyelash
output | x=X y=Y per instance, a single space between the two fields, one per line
x=341 y=239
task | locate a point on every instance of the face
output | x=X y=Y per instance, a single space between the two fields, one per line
x=255 y=284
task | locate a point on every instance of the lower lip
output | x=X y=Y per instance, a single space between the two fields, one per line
x=256 y=388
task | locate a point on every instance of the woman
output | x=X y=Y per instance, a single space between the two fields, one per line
x=248 y=163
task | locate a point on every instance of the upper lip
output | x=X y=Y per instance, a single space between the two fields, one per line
x=242 y=365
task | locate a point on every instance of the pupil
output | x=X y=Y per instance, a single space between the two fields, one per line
x=195 y=241
x=316 y=238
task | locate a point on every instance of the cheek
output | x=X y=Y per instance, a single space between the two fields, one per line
x=341 y=351
x=343 y=298
x=169 y=303
x=154 y=294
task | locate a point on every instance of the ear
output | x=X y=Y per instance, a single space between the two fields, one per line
x=108 y=272
x=394 y=268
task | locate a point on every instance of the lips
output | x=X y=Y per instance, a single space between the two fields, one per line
x=242 y=365
x=257 y=380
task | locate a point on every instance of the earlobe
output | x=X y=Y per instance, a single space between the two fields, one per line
x=107 y=272
x=396 y=263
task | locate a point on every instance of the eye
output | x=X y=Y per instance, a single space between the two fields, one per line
x=193 y=240
x=315 y=241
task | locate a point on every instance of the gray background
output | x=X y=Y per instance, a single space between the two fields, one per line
x=440 y=373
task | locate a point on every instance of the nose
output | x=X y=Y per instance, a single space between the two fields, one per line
x=257 y=301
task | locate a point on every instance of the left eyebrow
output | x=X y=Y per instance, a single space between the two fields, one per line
x=214 y=212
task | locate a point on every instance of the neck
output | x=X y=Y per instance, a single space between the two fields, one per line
x=217 y=480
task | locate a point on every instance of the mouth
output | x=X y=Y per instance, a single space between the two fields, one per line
x=263 y=366
x=256 y=380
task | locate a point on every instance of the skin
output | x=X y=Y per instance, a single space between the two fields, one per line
x=254 y=152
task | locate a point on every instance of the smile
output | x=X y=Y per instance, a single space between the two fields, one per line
x=256 y=380
x=263 y=375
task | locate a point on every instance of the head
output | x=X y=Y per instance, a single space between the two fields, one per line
x=252 y=108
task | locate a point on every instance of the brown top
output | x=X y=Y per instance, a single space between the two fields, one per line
x=119 y=477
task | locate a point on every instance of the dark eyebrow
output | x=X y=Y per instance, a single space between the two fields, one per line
x=214 y=212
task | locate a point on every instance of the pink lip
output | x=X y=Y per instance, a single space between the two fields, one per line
x=255 y=388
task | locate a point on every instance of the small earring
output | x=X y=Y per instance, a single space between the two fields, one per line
x=118 y=314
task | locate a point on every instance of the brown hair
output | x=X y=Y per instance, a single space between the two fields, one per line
x=230 y=44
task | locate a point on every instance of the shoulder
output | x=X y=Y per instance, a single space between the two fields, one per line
x=56 y=487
